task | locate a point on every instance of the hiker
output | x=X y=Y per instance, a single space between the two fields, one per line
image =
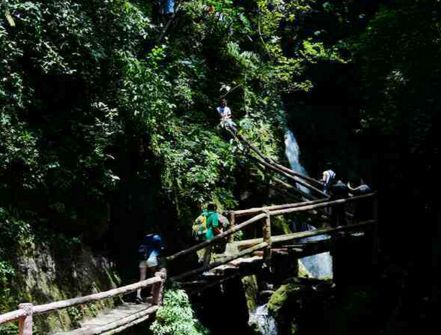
x=338 y=190
x=168 y=7
x=328 y=177
x=225 y=114
x=149 y=252
x=199 y=229
x=362 y=207
x=212 y=229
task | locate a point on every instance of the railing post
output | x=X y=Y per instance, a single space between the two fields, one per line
x=25 y=323
x=232 y=223
x=158 y=288
x=266 y=232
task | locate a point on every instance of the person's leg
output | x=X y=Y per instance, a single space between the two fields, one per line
x=142 y=276
x=207 y=255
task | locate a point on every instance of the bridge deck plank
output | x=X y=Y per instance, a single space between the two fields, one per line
x=100 y=324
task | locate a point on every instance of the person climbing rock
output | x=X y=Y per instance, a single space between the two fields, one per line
x=328 y=177
x=338 y=190
x=149 y=252
x=225 y=114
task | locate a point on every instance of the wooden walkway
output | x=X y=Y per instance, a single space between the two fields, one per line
x=115 y=320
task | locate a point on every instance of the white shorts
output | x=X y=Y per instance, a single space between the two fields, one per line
x=151 y=262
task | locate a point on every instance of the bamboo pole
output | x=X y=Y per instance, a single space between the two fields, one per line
x=216 y=238
x=25 y=323
x=95 y=297
x=218 y=263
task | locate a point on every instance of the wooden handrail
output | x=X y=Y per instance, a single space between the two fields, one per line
x=96 y=296
x=27 y=310
x=290 y=176
x=320 y=205
x=243 y=212
x=256 y=218
x=279 y=166
x=12 y=316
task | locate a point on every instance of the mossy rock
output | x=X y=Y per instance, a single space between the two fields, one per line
x=251 y=291
x=282 y=296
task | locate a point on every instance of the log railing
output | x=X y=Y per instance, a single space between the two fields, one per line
x=26 y=311
x=267 y=240
x=310 y=183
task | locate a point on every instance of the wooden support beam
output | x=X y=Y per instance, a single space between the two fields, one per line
x=245 y=252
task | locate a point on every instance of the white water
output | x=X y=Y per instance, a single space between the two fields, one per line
x=265 y=323
x=320 y=265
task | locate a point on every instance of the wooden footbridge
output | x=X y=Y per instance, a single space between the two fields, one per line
x=237 y=258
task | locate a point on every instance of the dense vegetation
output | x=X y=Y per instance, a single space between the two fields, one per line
x=102 y=124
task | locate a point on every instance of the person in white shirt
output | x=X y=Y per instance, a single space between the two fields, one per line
x=225 y=114
x=328 y=178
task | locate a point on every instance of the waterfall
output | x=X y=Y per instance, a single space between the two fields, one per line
x=320 y=265
x=265 y=323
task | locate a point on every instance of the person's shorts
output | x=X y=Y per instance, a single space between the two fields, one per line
x=151 y=262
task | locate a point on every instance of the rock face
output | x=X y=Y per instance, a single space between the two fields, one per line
x=55 y=269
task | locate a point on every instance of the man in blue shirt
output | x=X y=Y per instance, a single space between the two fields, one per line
x=149 y=252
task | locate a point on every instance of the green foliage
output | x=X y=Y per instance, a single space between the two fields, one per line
x=399 y=53
x=176 y=317
x=83 y=87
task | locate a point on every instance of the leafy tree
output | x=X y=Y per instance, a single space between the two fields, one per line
x=176 y=317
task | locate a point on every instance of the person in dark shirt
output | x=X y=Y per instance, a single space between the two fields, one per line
x=338 y=190
x=149 y=252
